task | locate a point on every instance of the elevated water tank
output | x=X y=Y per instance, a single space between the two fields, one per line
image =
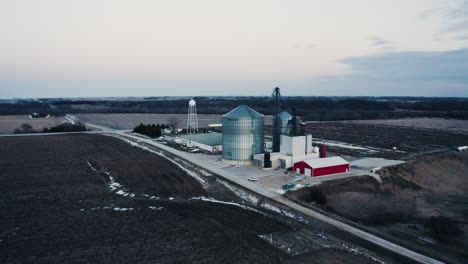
x=281 y=126
x=243 y=135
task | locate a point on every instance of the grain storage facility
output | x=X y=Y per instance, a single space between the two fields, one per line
x=281 y=126
x=321 y=167
x=243 y=135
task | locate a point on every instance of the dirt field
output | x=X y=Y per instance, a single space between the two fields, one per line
x=378 y=140
x=9 y=123
x=85 y=198
x=129 y=121
x=454 y=125
x=399 y=207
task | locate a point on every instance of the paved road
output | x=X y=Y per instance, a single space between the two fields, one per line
x=280 y=199
x=265 y=192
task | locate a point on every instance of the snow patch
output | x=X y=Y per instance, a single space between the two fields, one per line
x=70 y=119
x=122 y=209
x=156 y=208
x=205 y=173
x=212 y=200
x=255 y=201
x=359 y=252
x=118 y=188
x=91 y=166
x=239 y=193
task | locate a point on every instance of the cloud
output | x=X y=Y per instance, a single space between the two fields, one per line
x=403 y=73
x=378 y=41
x=424 y=66
x=453 y=18
x=464 y=37
x=304 y=46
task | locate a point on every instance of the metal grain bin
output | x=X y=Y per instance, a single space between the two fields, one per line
x=281 y=126
x=243 y=135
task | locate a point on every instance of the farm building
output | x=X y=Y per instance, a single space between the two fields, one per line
x=292 y=149
x=211 y=142
x=321 y=167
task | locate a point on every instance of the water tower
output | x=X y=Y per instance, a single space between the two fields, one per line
x=192 y=120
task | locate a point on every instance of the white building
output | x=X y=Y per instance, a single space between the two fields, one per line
x=292 y=150
x=211 y=142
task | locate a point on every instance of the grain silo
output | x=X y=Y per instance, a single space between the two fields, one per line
x=282 y=125
x=243 y=135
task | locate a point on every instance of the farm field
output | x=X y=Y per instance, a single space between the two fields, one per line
x=83 y=198
x=372 y=140
x=8 y=123
x=401 y=207
x=129 y=121
x=454 y=125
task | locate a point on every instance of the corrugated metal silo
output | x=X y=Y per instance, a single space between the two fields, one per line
x=281 y=126
x=243 y=135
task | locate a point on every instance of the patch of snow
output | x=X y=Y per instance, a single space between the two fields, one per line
x=91 y=166
x=239 y=193
x=283 y=212
x=120 y=209
x=339 y=144
x=212 y=200
x=350 y=146
x=156 y=208
x=427 y=240
x=205 y=173
x=171 y=198
x=70 y=119
x=359 y=252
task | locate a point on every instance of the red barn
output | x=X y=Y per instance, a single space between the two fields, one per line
x=322 y=167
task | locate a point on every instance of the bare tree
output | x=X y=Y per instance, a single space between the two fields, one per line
x=173 y=121
x=27 y=128
x=24 y=129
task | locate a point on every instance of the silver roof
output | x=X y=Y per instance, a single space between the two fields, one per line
x=243 y=111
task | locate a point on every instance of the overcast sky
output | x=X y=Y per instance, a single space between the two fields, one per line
x=69 y=48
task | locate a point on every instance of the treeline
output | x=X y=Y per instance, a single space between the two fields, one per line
x=150 y=130
x=65 y=127
x=311 y=108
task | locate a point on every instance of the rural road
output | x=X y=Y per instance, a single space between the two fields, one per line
x=195 y=159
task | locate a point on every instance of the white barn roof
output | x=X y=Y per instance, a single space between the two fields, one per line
x=326 y=162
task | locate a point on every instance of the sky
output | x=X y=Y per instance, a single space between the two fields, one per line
x=94 y=48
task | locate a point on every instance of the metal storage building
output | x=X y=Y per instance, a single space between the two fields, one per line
x=243 y=135
x=211 y=142
x=321 y=167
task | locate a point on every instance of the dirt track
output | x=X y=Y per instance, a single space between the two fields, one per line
x=94 y=199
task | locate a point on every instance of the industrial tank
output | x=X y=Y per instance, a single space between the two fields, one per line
x=243 y=135
x=323 y=151
x=281 y=126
